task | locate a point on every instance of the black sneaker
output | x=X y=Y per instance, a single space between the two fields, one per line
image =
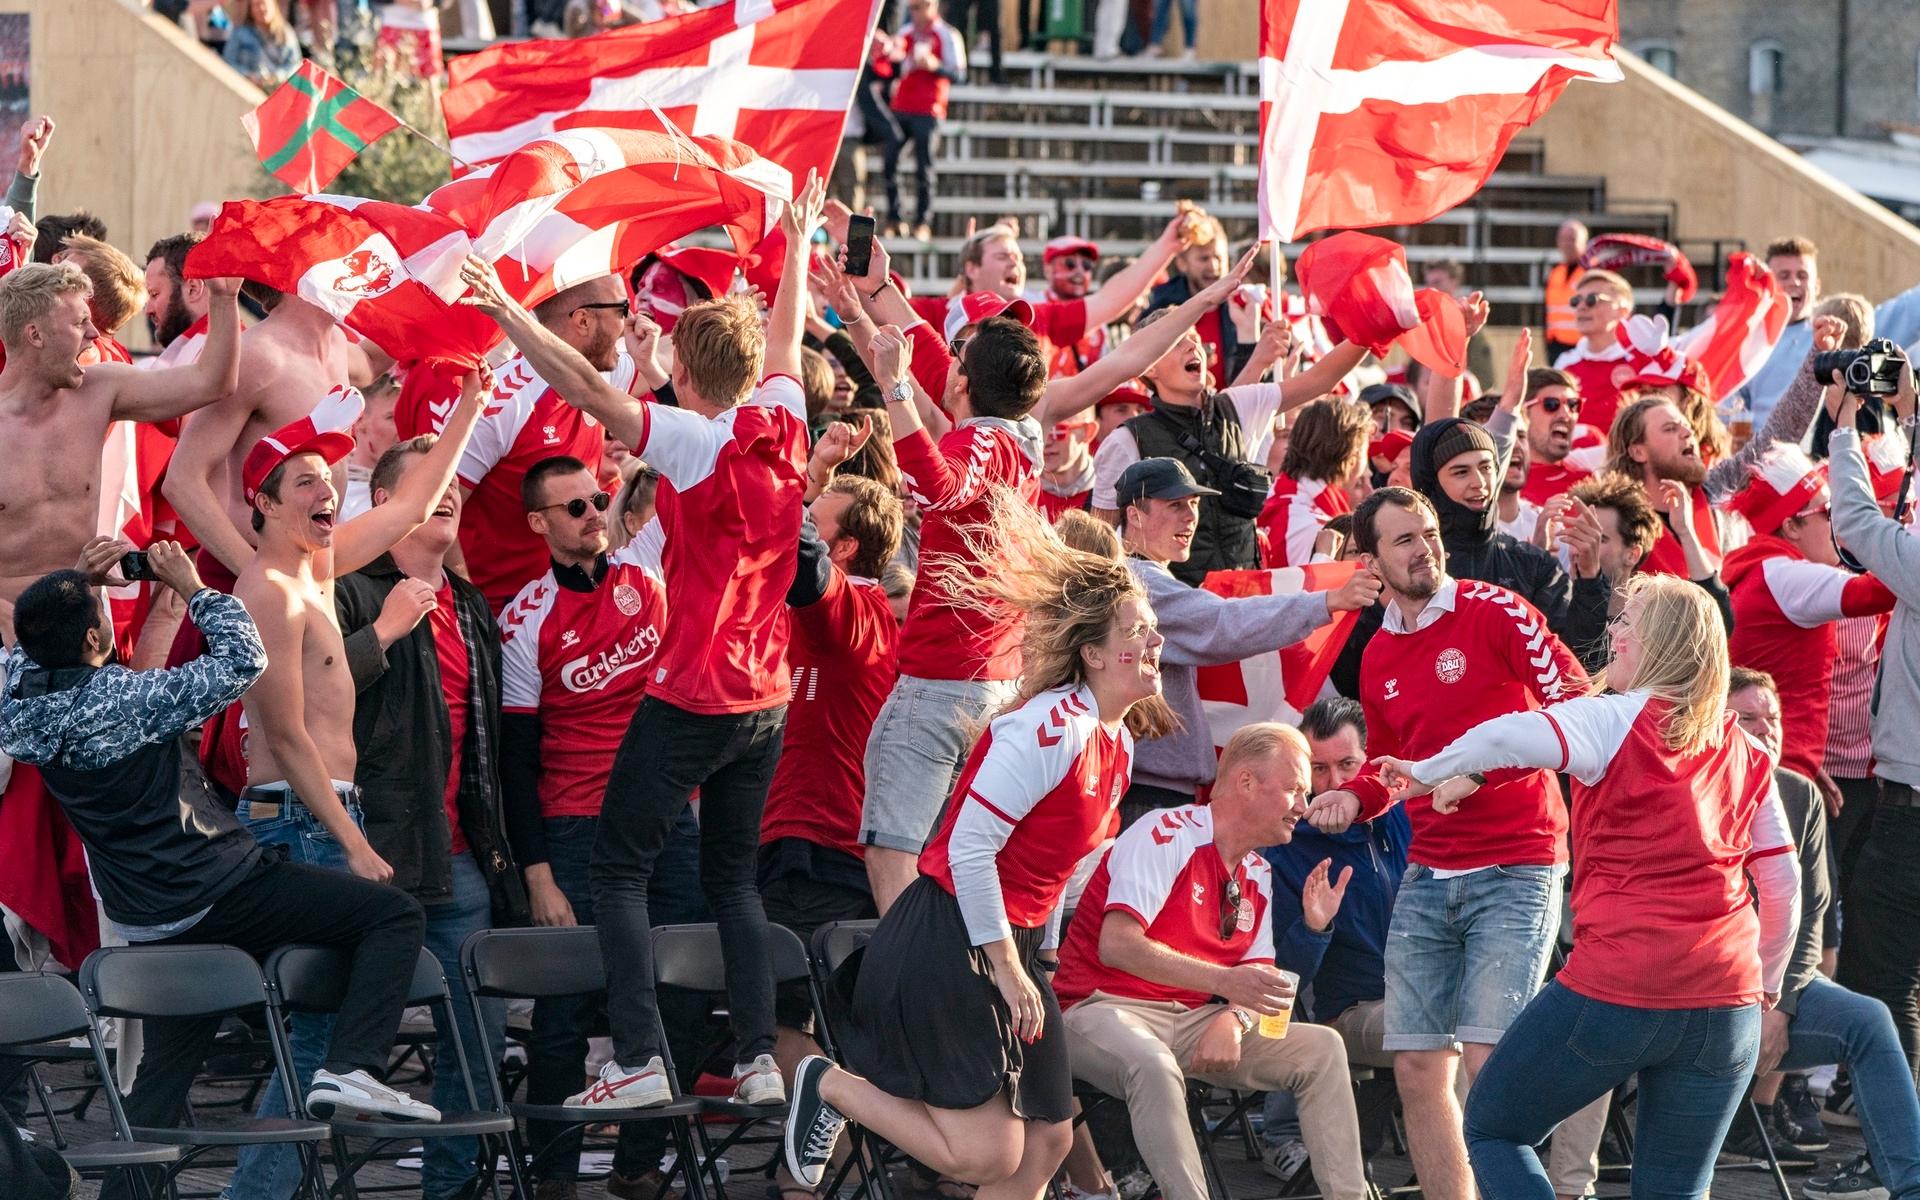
x=1852 y=1179
x=1743 y=1145
x=813 y=1125
x=1838 y=1110
x=1797 y=1115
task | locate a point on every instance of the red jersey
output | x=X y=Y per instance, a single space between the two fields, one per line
x=921 y=92
x=1039 y=793
x=1053 y=505
x=1167 y=874
x=730 y=506
x=1478 y=652
x=1546 y=480
x=1295 y=514
x=1057 y=322
x=843 y=655
x=524 y=422
x=1784 y=609
x=1208 y=327
x=1599 y=398
x=456 y=671
x=953 y=485
x=1666 y=557
x=578 y=661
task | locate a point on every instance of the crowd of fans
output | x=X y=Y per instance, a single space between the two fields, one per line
x=843 y=603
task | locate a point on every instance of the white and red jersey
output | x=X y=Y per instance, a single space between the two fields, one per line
x=1546 y=480
x=1295 y=514
x=1662 y=913
x=1856 y=664
x=1784 y=609
x=1166 y=873
x=921 y=92
x=1040 y=791
x=1479 y=652
x=953 y=483
x=843 y=651
x=729 y=506
x=578 y=661
x=1599 y=397
x=525 y=421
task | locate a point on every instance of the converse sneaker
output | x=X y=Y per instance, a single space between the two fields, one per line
x=358 y=1094
x=1838 y=1108
x=619 y=1087
x=759 y=1082
x=813 y=1125
x=1853 y=1179
x=1797 y=1114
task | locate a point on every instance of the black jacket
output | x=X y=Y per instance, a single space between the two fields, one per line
x=403 y=733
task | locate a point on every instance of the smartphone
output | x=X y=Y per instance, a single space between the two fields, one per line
x=859 y=245
x=134 y=567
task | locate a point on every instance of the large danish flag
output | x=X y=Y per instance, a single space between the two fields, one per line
x=1739 y=335
x=1277 y=686
x=1389 y=112
x=777 y=75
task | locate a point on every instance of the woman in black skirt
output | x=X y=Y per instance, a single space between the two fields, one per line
x=954 y=1028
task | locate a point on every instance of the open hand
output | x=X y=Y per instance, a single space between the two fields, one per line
x=1475 y=309
x=805 y=212
x=1320 y=899
x=1216 y=293
x=483 y=286
x=836 y=290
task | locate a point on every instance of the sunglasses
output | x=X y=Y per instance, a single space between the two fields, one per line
x=622 y=305
x=1074 y=262
x=958 y=346
x=1825 y=510
x=577 y=507
x=1229 y=910
x=1589 y=299
x=1551 y=404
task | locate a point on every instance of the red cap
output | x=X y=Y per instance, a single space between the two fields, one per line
x=712 y=267
x=1068 y=245
x=975 y=307
x=1781 y=485
x=1126 y=393
x=301 y=437
x=1389 y=445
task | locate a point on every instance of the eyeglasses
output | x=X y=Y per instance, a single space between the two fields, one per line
x=622 y=305
x=1589 y=299
x=1551 y=404
x=577 y=507
x=1824 y=510
x=1229 y=910
x=958 y=346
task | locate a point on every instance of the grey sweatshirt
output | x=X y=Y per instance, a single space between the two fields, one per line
x=1893 y=555
x=1202 y=630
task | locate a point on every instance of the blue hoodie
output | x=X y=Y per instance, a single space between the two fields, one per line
x=1351 y=966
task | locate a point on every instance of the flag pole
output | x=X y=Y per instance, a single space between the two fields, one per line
x=431 y=142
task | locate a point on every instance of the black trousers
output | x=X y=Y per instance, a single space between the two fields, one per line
x=1144 y=798
x=1880 y=956
x=667 y=753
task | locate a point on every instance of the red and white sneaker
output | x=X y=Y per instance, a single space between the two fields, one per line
x=621 y=1087
x=759 y=1082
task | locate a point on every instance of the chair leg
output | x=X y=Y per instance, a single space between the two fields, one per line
x=1766 y=1144
x=344 y=1169
x=45 y=1098
x=687 y=1161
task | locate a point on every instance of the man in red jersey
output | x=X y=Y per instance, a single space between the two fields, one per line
x=1477 y=914
x=1552 y=406
x=1601 y=300
x=1066 y=465
x=735 y=453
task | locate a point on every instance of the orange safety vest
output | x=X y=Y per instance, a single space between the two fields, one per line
x=1560 y=284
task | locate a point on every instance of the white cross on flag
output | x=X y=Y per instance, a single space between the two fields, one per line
x=777 y=75
x=1280 y=685
x=1389 y=112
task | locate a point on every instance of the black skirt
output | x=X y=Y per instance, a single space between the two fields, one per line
x=925 y=1021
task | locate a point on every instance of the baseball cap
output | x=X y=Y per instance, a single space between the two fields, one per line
x=1126 y=393
x=1068 y=245
x=300 y=437
x=1157 y=479
x=1389 y=445
x=975 y=307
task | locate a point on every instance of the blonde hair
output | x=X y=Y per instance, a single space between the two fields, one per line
x=119 y=287
x=1015 y=561
x=1683 y=658
x=1854 y=309
x=28 y=295
x=1621 y=289
x=1083 y=531
x=816 y=380
x=722 y=347
x=1260 y=742
x=1630 y=429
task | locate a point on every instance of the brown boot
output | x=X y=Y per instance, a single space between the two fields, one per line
x=640 y=1187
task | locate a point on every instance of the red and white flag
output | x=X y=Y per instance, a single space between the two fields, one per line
x=1388 y=112
x=777 y=75
x=1740 y=333
x=1277 y=686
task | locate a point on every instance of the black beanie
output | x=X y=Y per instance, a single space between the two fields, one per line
x=1456 y=438
x=1433 y=447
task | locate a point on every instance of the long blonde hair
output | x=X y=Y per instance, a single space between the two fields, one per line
x=1016 y=561
x=1683 y=658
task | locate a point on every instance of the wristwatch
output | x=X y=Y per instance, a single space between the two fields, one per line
x=901 y=393
x=1247 y=1020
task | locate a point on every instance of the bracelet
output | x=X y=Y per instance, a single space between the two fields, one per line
x=875 y=293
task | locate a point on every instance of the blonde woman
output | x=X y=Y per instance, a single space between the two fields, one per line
x=262 y=46
x=954 y=1025
x=1673 y=806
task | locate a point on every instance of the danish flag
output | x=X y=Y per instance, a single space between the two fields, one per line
x=1389 y=112
x=1739 y=335
x=1277 y=686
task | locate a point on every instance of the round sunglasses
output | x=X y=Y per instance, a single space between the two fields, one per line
x=577 y=507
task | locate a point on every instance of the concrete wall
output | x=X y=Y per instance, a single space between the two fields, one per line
x=148 y=120
x=1727 y=179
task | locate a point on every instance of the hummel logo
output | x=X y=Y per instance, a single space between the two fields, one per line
x=1393 y=689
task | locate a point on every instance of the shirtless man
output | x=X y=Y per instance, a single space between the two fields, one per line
x=301 y=710
x=288 y=362
x=54 y=413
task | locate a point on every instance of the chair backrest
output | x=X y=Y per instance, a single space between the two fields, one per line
x=533 y=963
x=39 y=1007
x=689 y=956
x=835 y=942
x=171 y=981
x=314 y=978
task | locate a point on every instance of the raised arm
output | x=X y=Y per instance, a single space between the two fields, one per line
x=1117 y=294
x=207 y=440
x=374 y=532
x=163 y=395
x=787 y=319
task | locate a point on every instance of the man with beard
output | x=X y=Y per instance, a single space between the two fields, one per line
x=1477 y=912
x=176 y=305
x=1070 y=263
x=1651 y=442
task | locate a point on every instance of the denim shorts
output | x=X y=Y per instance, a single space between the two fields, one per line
x=920 y=740
x=1466 y=954
x=295 y=827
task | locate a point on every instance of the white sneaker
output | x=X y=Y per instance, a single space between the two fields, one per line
x=619 y=1087
x=759 y=1082
x=359 y=1094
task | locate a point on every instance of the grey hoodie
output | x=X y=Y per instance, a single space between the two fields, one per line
x=1893 y=555
x=1203 y=629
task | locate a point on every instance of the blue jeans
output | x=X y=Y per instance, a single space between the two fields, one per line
x=1834 y=1025
x=1567 y=1050
x=1163 y=17
x=1464 y=955
x=448 y=1163
x=272 y=1172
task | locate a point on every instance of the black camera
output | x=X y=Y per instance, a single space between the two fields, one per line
x=1872 y=370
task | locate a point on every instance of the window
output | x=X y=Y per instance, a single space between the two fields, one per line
x=1766 y=79
x=1660 y=56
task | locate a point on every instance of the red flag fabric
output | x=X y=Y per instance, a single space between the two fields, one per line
x=777 y=75
x=1359 y=286
x=46 y=883
x=1744 y=327
x=1277 y=686
x=1392 y=111
x=312 y=126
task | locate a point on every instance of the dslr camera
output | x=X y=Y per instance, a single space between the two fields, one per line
x=1872 y=370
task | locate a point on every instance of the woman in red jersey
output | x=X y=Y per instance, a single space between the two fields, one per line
x=1673 y=808
x=954 y=1027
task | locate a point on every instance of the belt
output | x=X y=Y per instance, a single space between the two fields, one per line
x=1898 y=795
x=263 y=803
